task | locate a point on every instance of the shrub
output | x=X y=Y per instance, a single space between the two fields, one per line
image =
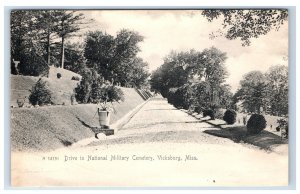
x=40 y=93
x=256 y=124
x=210 y=113
x=33 y=65
x=229 y=116
x=179 y=97
x=92 y=89
x=83 y=89
x=58 y=75
x=75 y=78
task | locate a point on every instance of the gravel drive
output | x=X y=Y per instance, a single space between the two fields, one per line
x=159 y=146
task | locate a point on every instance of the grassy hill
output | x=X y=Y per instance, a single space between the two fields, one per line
x=62 y=88
x=52 y=127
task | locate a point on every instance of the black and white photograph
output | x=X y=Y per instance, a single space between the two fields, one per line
x=149 y=97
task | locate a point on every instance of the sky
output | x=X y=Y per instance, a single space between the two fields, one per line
x=182 y=30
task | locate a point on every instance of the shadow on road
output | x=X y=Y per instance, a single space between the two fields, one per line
x=264 y=140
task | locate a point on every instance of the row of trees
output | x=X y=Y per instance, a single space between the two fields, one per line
x=41 y=33
x=194 y=79
x=39 y=38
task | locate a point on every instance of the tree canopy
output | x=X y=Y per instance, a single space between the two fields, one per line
x=197 y=77
x=246 y=24
x=115 y=58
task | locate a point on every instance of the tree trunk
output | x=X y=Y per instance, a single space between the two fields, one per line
x=62 y=52
x=48 y=47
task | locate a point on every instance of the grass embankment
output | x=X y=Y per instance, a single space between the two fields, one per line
x=61 y=89
x=52 y=127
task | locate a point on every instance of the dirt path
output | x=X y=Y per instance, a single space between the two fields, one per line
x=159 y=146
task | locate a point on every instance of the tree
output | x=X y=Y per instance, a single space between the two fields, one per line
x=201 y=74
x=247 y=24
x=115 y=58
x=68 y=23
x=277 y=89
x=26 y=45
x=99 y=51
x=253 y=91
x=74 y=57
x=47 y=21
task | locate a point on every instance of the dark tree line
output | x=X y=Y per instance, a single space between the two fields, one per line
x=39 y=38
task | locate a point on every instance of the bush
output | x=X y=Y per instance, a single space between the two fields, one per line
x=229 y=116
x=83 y=89
x=75 y=78
x=256 y=124
x=40 y=93
x=33 y=65
x=92 y=89
x=179 y=97
x=58 y=75
x=210 y=113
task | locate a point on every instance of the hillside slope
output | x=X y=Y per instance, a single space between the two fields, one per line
x=62 y=88
x=52 y=127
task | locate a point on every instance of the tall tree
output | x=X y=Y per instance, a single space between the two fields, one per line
x=115 y=58
x=47 y=22
x=253 y=92
x=246 y=24
x=69 y=22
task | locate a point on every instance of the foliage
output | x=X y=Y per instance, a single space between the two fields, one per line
x=267 y=92
x=179 y=97
x=74 y=57
x=203 y=72
x=58 y=75
x=229 y=116
x=256 y=124
x=93 y=89
x=253 y=91
x=83 y=90
x=110 y=94
x=37 y=30
x=68 y=23
x=277 y=90
x=210 y=113
x=32 y=64
x=40 y=93
x=247 y=24
x=115 y=58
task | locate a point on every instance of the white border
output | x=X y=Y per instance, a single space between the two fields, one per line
x=153 y=3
